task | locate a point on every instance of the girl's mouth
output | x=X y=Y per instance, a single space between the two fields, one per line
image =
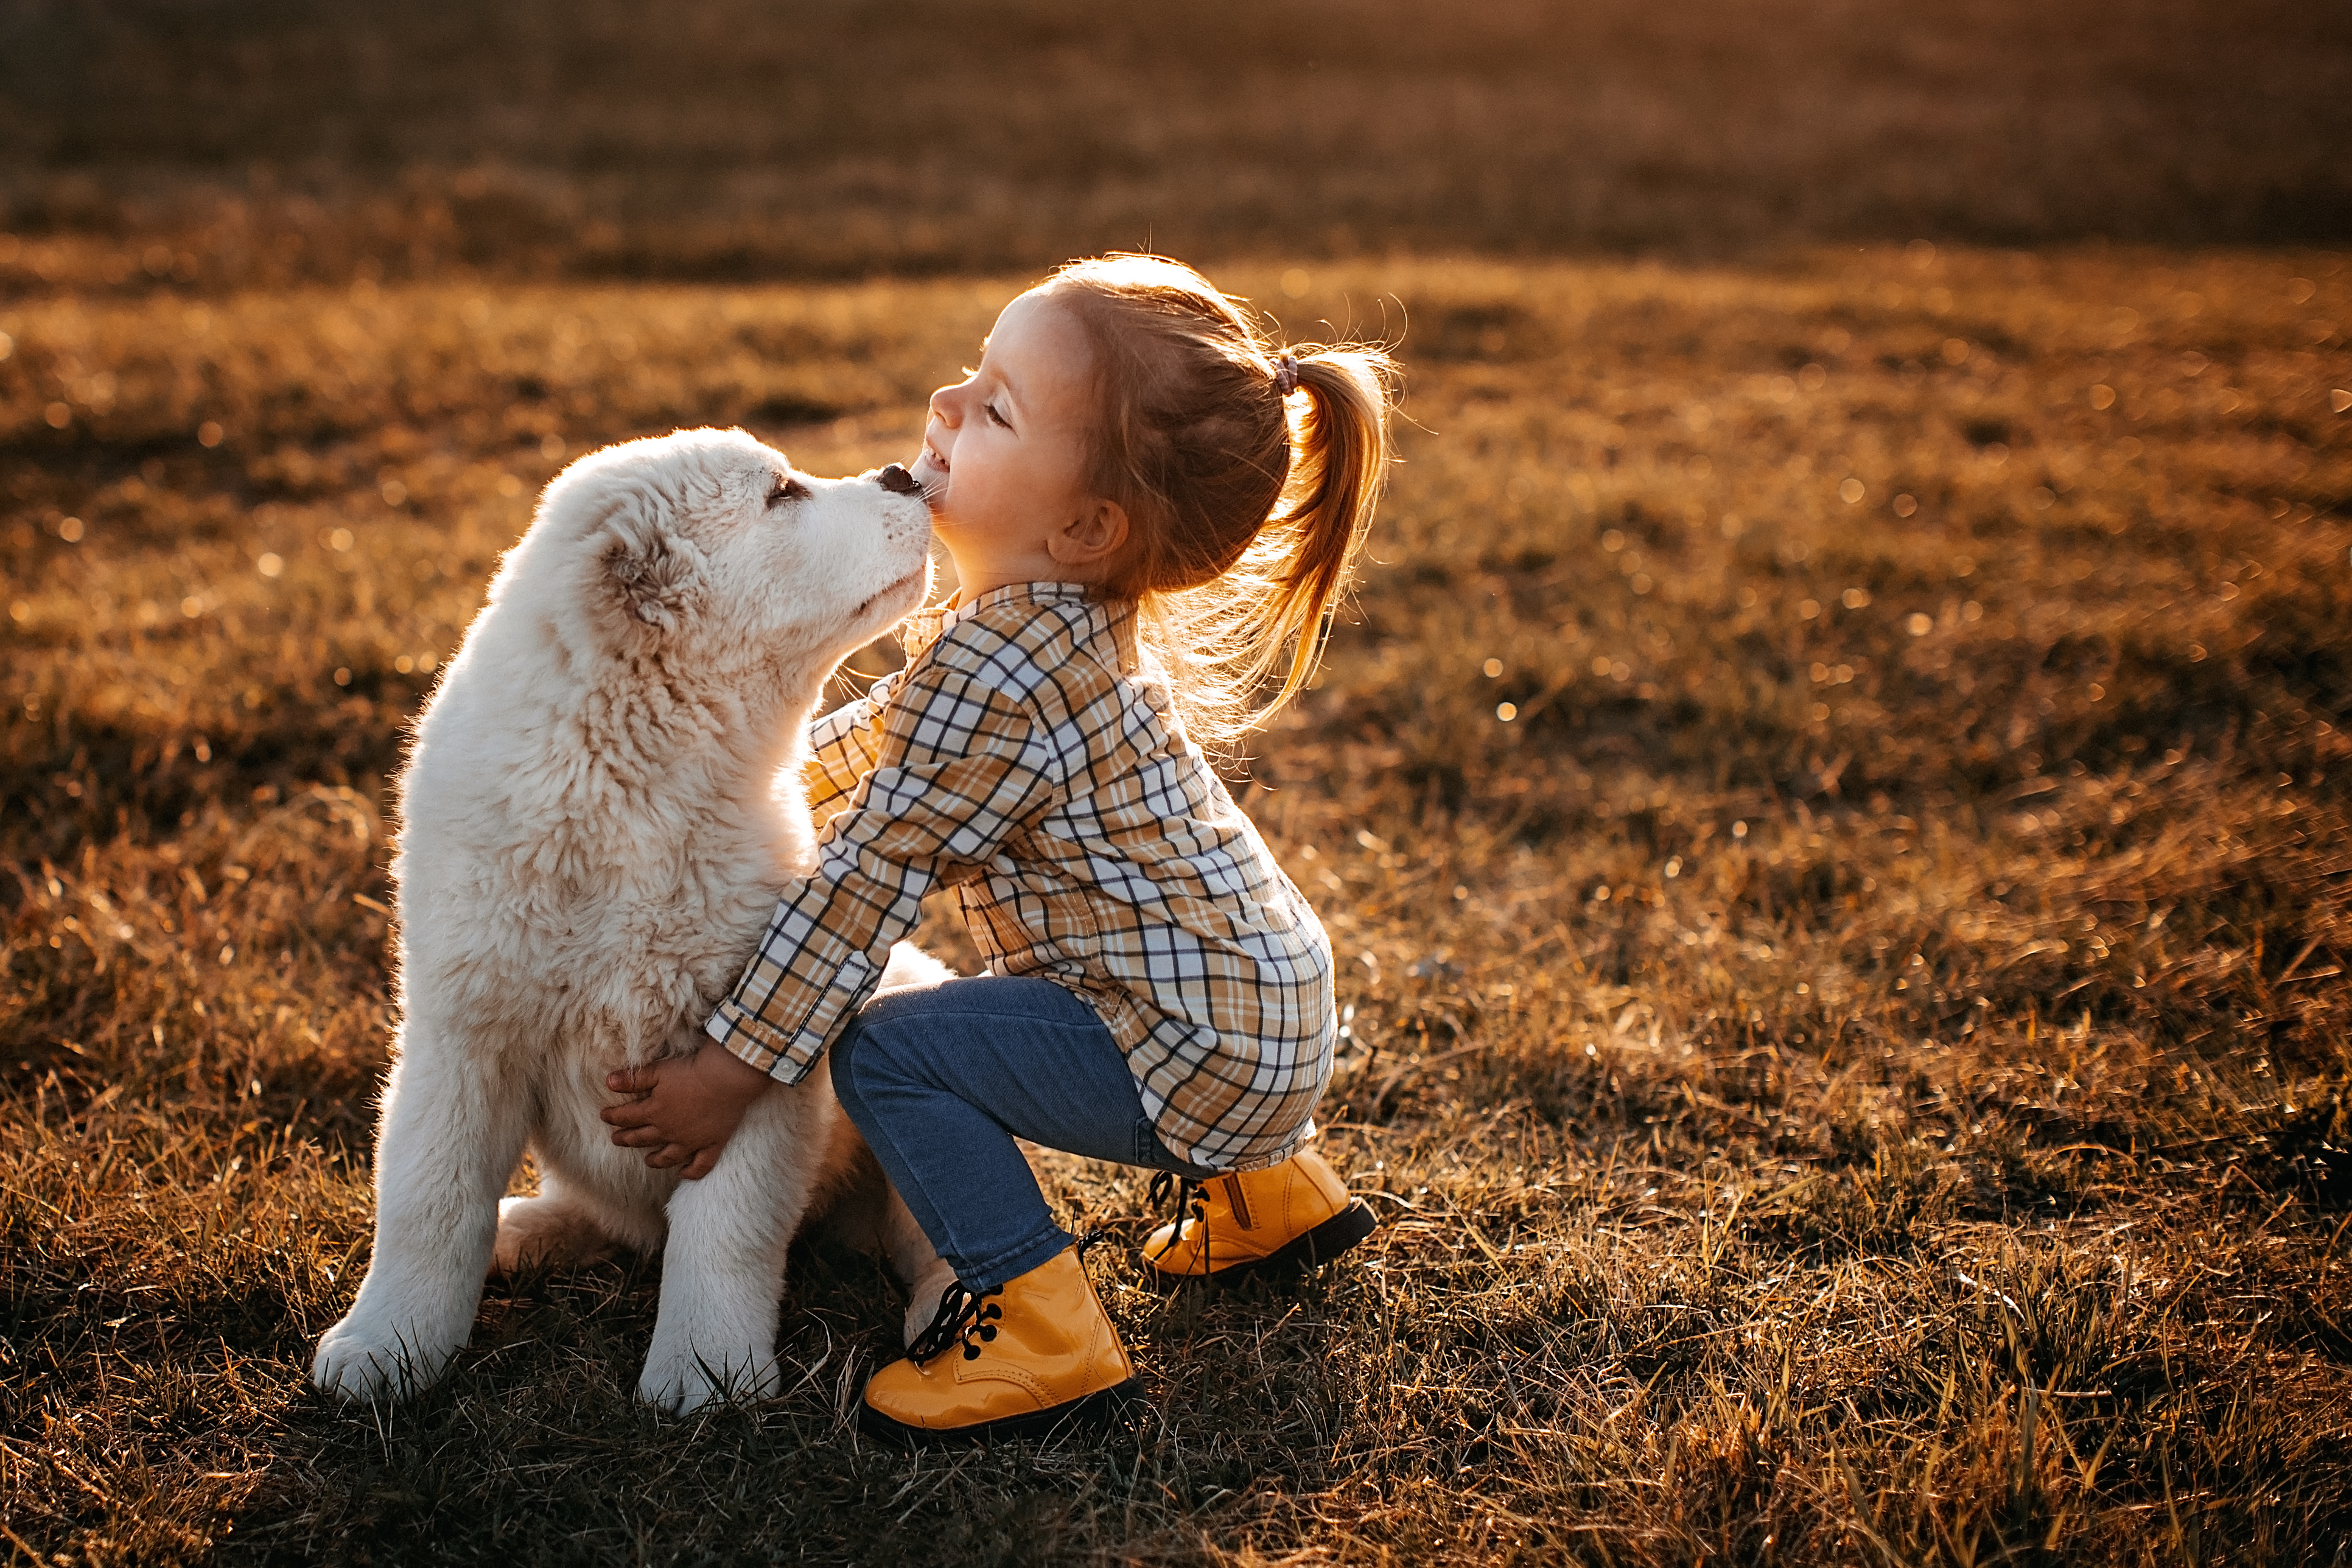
x=930 y=471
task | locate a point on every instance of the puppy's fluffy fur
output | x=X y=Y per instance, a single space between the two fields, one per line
x=601 y=806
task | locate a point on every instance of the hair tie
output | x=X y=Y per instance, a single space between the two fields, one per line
x=1286 y=375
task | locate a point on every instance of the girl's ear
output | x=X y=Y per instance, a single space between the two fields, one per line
x=1095 y=536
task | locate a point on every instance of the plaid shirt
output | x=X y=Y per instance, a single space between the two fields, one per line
x=1088 y=842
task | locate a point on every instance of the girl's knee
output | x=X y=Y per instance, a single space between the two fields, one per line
x=864 y=1063
x=892 y=1006
x=870 y=1051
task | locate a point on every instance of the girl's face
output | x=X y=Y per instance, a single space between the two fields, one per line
x=1004 y=450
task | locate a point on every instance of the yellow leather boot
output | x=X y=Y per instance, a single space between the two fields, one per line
x=1293 y=1215
x=1031 y=1357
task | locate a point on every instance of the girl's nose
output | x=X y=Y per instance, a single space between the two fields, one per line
x=943 y=404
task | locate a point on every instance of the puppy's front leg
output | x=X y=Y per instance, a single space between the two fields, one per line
x=723 y=1269
x=448 y=1141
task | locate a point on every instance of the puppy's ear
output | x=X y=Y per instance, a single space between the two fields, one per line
x=652 y=573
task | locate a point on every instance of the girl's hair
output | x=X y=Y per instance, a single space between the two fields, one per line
x=1246 y=502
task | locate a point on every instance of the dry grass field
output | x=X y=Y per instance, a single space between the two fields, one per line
x=1832 y=800
x=220 y=143
x=1831 y=796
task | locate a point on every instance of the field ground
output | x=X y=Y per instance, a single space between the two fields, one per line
x=1833 y=804
x=268 y=143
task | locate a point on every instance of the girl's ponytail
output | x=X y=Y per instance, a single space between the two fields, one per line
x=1249 y=474
x=1339 y=443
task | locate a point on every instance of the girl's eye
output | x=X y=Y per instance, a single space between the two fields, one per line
x=787 y=488
x=989 y=408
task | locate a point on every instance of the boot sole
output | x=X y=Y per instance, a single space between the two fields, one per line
x=1312 y=1250
x=1092 y=1413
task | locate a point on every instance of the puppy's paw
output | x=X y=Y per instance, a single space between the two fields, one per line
x=373 y=1362
x=546 y=1233
x=680 y=1377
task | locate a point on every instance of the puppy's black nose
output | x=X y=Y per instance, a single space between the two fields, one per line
x=898 y=481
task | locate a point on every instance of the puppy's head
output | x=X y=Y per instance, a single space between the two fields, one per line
x=708 y=546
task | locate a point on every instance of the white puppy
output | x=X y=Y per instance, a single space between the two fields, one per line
x=598 y=814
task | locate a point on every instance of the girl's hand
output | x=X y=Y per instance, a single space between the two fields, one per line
x=685 y=1109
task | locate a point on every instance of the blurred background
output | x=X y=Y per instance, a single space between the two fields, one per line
x=227 y=143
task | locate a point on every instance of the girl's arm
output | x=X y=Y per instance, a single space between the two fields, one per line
x=683 y=1109
x=960 y=766
x=844 y=747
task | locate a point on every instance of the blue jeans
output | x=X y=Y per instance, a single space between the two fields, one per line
x=942 y=1080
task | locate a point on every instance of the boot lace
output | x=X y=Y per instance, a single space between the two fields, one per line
x=964 y=1317
x=1191 y=1202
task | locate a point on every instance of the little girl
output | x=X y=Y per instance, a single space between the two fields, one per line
x=1152 y=512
